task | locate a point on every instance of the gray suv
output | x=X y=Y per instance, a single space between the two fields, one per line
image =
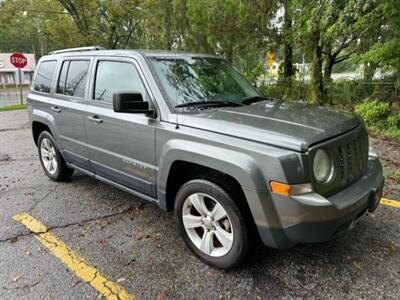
x=188 y=132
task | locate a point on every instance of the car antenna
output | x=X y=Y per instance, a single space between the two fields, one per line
x=176 y=90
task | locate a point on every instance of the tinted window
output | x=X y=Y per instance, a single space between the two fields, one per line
x=112 y=77
x=73 y=78
x=44 y=76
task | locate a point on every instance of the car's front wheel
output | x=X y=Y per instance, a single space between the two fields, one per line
x=211 y=223
x=51 y=160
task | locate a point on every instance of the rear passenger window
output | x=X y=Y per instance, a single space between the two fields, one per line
x=73 y=77
x=44 y=76
x=112 y=77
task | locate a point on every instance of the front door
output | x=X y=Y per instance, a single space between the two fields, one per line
x=121 y=145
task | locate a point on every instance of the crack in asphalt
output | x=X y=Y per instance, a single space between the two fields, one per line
x=14 y=129
x=81 y=222
x=41 y=199
x=33 y=159
x=25 y=286
x=26 y=187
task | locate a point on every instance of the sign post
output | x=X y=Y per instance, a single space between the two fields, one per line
x=19 y=61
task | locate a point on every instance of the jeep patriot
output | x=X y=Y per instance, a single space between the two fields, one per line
x=188 y=132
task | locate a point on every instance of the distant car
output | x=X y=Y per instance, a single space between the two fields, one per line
x=188 y=132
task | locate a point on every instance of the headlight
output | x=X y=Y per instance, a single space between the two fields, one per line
x=322 y=166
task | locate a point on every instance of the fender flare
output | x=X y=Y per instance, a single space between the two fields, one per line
x=238 y=165
x=47 y=119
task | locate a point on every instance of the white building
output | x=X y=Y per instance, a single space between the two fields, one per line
x=9 y=73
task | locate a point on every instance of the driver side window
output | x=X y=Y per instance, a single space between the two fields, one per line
x=113 y=77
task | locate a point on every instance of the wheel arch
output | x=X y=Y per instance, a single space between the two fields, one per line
x=42 y=120
x=239 y=165
x=183 y=160
x=37 y=129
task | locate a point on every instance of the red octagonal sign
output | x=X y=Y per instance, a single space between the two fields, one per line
x=18 y=60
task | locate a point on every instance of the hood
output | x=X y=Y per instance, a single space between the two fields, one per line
x=289 y=125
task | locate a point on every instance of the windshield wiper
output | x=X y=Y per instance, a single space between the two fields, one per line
x=209 y=103
x=253 y=99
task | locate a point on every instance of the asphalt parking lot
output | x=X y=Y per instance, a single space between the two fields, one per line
x=136 y=245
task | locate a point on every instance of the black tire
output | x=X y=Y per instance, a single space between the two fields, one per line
x=62 y=172
x=239 y=248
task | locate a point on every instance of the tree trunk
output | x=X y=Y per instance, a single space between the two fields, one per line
x=330 y=62
x=317 y=79
x=288 y=69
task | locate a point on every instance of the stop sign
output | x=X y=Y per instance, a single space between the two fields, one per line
x=18 y=60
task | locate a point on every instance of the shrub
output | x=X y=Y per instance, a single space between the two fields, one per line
x=343 y=93
x=373 y=111
x=380 y=117
x=287 y=90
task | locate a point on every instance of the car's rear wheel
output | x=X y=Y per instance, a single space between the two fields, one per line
x=211 y=223
x=51 y=160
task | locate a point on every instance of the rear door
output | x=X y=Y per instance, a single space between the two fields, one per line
x=121 y=145
x=70 y=101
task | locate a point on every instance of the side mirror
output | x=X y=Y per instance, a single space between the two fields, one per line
x=131 y=102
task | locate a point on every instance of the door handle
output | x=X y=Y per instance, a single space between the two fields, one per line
x=56 y=109
x=95 y=119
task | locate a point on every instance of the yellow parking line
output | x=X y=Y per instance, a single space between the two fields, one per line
x=77 y=264
x=390 y=202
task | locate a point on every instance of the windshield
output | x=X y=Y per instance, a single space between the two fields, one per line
x=201 y=79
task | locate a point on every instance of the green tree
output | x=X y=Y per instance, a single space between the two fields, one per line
x=39 y=26
x=236 y=29
x=113 y=24
x=381 y=43
x=330 y=31
x=158 y=24
x=287 y=37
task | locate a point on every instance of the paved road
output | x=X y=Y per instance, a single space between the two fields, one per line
x=137 y=245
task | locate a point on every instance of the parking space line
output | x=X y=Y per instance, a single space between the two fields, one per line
x=76 y=263
x=390 y=202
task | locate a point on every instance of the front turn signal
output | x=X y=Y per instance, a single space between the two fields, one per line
x=290 y=189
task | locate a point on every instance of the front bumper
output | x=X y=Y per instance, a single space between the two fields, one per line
x=312 y=218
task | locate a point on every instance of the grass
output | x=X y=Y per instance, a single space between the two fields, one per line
x=13 y=107
x=393 y=174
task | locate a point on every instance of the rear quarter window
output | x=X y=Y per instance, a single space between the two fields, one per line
x=44 y=76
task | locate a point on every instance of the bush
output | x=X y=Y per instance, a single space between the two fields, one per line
x=343 y=93
x=287 y=90
x=373 y=111
x=379 y=117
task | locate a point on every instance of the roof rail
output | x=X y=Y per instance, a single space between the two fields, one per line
x=89 y=48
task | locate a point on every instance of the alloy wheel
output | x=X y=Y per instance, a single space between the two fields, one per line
x=207 y=224
x=48 y=155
